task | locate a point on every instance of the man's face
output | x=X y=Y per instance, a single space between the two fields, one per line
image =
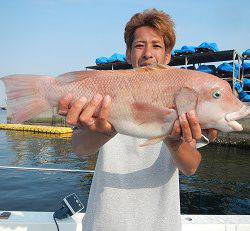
x=147 y=48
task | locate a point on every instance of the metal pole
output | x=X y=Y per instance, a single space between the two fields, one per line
x=46 y=169
x=240 y=77
x=234 y=56
x=242 y=63
x=242 y=68
x=53 y=119
x=239 y=64
x=186 y=62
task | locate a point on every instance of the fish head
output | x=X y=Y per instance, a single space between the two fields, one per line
x=217 y=107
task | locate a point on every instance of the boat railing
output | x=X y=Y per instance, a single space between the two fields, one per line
x=47 y=169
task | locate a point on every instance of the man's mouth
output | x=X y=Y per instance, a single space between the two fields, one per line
x=147 y=64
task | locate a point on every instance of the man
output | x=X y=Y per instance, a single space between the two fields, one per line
x=135 y=188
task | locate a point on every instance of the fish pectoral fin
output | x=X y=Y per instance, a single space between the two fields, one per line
x=202 y=142
x=153 y=140
x=147 y=113
x=185 y=100
x=152 y=67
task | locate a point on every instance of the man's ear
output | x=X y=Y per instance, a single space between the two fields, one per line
x=128 y=56
x=168 y=57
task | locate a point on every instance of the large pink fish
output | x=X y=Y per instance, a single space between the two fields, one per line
x=145 y=101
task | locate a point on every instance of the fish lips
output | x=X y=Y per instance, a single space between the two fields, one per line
x=233 y=116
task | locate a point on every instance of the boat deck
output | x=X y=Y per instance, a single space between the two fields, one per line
x=40 y=221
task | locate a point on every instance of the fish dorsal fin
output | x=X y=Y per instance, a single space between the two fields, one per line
x=152 y=67
x=163 y=66
x=75 y=76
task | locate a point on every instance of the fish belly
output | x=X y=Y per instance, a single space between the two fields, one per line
x=150 y=130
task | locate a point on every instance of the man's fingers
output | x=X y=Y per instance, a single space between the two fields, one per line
x=186 y=131
x=92 y=124
x=86 y=116
x=64 y=103
x=194 y=125
x=102 y=119
x=212 y=134
x=75 y=111
x=176 y=131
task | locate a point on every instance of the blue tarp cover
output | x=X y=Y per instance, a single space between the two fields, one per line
x=117 y=58
x=210 y=69
x=246 y=68
x=205 y=46
x=114 y=58
x=246 y=83
x=246 y=52
x=238 y=87
x=101 y=60
x=242 y=95
x=185 y=50
x=228 y=68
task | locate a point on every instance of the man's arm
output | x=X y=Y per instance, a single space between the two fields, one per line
x=86 y=143
x=183 y=151
x=94 y=130
x=186 y=157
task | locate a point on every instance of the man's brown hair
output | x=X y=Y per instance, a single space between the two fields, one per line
x=158 y=20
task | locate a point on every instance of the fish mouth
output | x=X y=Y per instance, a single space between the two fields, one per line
x=233 y=116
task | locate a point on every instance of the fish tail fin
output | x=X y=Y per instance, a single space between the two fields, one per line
x=26 y=96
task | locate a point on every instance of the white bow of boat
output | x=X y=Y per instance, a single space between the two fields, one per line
x=39 y=221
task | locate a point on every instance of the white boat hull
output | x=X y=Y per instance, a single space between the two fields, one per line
x=40 y=221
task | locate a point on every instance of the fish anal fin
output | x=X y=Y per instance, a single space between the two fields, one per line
x=153 y=140
x=186 y=100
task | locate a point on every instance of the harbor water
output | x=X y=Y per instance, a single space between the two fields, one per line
x=221 y=185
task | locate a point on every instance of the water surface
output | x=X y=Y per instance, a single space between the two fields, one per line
x=220 y=186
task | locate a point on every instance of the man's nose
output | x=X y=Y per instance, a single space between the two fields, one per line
x=148 y=52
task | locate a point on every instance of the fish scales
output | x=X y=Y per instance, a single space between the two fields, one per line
x=145 y=101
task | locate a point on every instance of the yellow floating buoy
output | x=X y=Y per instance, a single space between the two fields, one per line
x=36 y=128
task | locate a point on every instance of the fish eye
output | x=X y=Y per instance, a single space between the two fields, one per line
x=217 y=94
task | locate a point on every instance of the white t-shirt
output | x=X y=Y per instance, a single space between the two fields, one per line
x=133 y=188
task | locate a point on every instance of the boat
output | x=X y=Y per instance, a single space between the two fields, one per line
x=40 y=221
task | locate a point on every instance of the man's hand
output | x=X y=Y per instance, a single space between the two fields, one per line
x=83 y=114
x=183 y=151
x=189 y=128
